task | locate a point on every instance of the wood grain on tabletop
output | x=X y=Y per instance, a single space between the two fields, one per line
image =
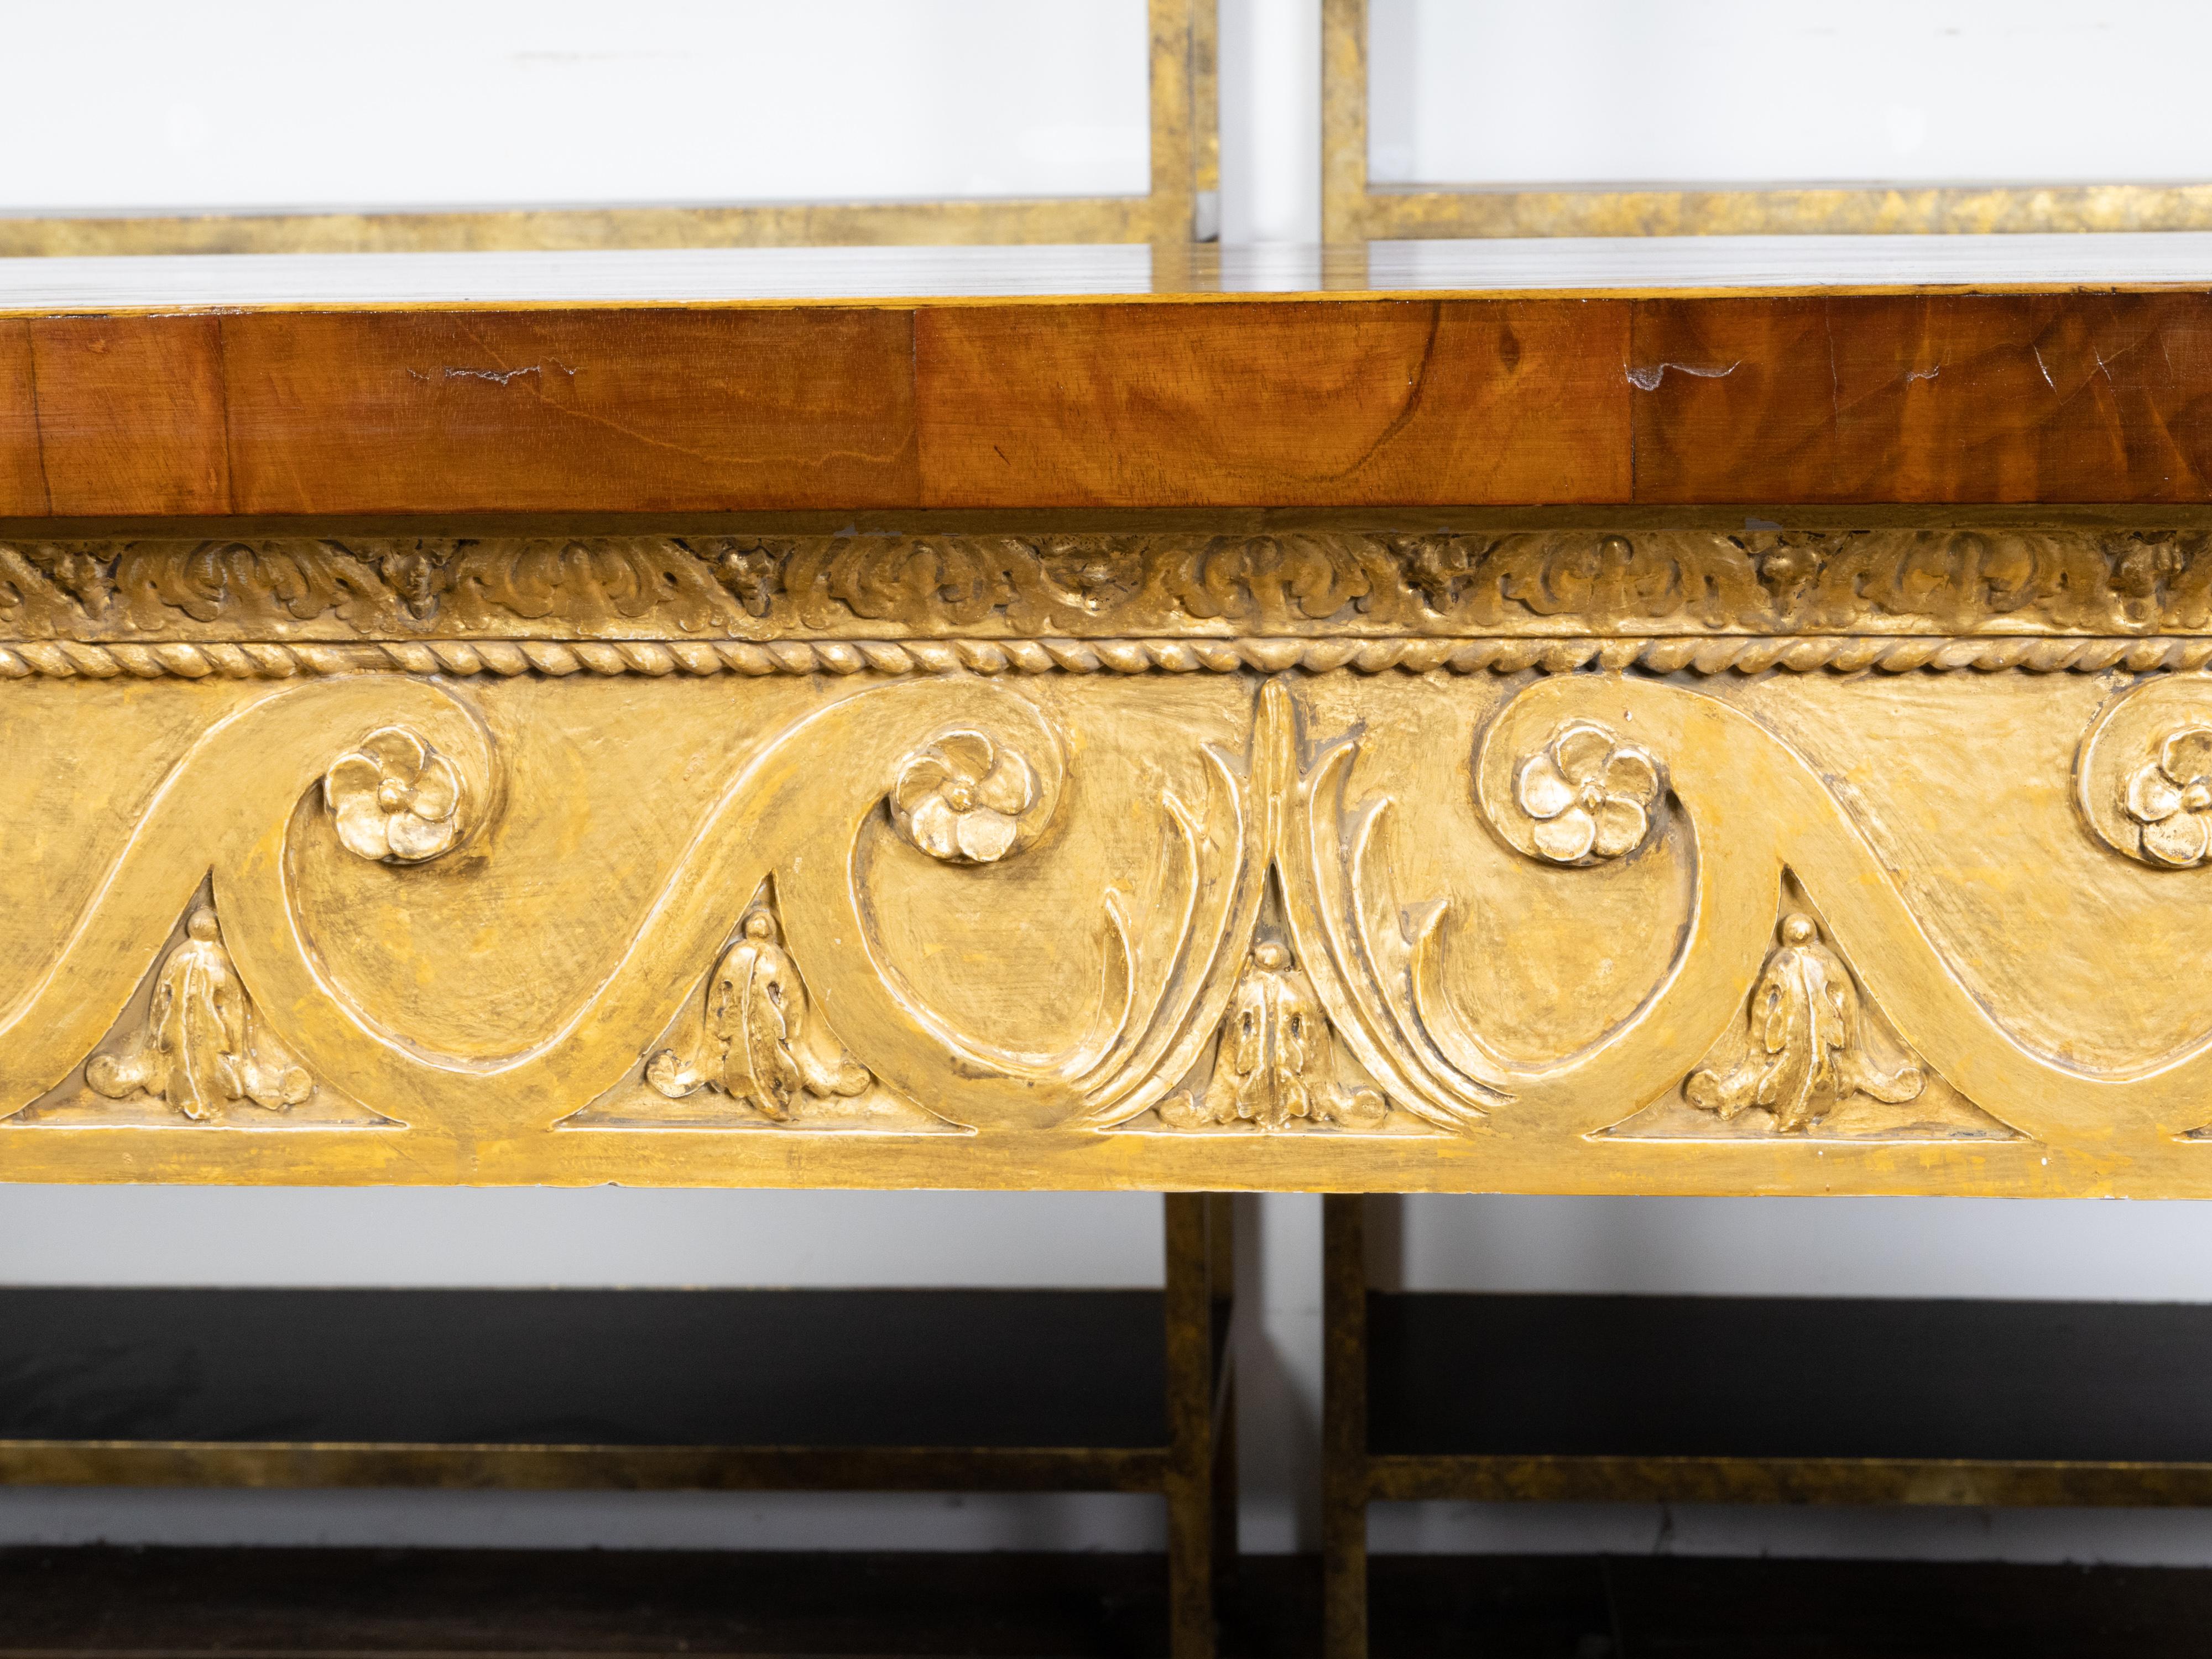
x=2079 y=398
x=1345 y=404
x=667 y=409
x=1320 y=401
x=22 y=479
x=130 y=415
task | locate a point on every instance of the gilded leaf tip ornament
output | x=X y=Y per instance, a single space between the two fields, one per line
x=395 y=799
x=1275 y=1066
x=759 y=1043
x=201 y=1046
x=1804 y=1051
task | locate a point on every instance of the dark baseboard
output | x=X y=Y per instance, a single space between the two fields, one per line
x=1759 y=1378
x=892 y=1388
x=185 y=1604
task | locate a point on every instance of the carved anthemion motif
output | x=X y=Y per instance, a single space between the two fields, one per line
x=1275 y=1064
x=1364 y=973
x=1804 y=1051
x=202 y=1048
x=761 y=1043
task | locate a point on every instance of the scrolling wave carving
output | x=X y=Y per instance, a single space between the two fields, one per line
x=1264 y=970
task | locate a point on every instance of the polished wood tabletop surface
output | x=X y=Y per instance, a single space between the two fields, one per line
x=2025 y=370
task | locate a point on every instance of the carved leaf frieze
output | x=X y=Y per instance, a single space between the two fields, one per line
x=1545 y=584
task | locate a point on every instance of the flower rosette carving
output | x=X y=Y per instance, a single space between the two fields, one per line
x=1588 y=796
x=395 y=799
x=963 y=798
x=2169 y=801
x=2142 y=776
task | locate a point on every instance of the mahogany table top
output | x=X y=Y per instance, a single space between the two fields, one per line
x=2030 y=370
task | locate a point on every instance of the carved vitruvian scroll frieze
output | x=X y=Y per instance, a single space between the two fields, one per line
x=1273 y=925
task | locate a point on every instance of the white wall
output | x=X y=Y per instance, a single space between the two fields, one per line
x=617 y=1236
x=134 y=104
x=1740 y=92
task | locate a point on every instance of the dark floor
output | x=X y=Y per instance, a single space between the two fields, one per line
x=328 y=1602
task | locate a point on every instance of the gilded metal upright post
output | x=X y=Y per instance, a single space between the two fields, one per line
x=1344 y=1427
x=1344 y=121
x=1221 y=1274
x=1191 y=1376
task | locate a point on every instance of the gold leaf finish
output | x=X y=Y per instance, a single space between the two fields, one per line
x=1549 y=584
x=1546 y=860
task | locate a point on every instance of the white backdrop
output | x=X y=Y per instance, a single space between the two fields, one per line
x=1270 y=88
x=133 y=104
x=1742 y=92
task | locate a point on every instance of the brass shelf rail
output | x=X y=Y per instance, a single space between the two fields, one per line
x=1721 y=1400
x=515 y=1395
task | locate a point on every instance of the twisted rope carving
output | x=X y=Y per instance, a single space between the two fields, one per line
x=71 y=659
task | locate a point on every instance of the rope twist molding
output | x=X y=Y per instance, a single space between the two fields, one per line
x=77 y=660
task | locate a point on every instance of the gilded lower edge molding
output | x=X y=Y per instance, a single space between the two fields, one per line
x=1559 y=861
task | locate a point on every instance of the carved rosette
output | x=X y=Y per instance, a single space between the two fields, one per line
x=2143 y=774
x=963 y=798
x=395 y=799
x=1588 y=795
x=2170 y=800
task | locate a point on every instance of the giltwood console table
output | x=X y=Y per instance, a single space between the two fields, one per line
x=1716 y=719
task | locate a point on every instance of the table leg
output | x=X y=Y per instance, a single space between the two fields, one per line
x=1191 y=1388
x=1221 y=1275
x=1344 y=1427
